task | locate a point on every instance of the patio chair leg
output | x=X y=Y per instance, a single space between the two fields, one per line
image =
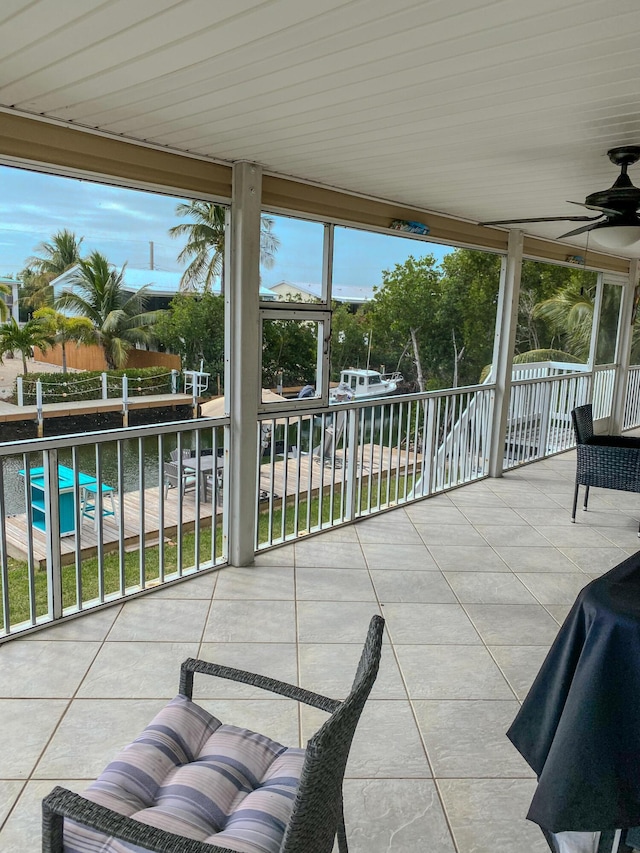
x=342 y=832
x=586 y=498
x=575 y=504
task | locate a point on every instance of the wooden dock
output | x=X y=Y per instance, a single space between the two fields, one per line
x=16 y=527
x=10 y=412
x=303 y=475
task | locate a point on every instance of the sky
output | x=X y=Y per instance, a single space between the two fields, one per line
x=121 y=223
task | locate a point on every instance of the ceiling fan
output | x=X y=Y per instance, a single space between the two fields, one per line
x=617 y=225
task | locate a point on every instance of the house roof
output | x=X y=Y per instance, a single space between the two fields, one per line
x=158 y=282
x=477 y=110
x=353 y=294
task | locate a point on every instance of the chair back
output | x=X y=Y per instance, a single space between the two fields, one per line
x=170 y=474
x=174 y=454
x=317 y=811
x=582 y=417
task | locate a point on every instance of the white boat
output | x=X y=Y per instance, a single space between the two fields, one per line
x=356 y=384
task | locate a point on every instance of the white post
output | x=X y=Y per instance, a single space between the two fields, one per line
x=52 y=533
x=105 y=390
x=20 y=389
x=125 y=400
x=350 y=454
x=623 y=355
x=504 y=342
x=39 y=416
x=243 y=359
x=174 y=381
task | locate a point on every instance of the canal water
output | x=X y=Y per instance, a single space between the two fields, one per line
x=22 y=430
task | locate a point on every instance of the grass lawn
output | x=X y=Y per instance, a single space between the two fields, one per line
x=84 y=583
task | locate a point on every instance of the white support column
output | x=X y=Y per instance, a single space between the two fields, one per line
x=623 y=355
x=243 y=368
x=504 y=342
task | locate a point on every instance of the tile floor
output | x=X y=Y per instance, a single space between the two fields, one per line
x=473 y=585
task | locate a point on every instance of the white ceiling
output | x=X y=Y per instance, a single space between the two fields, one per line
x=482 y=110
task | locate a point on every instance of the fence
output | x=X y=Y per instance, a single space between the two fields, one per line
x=87 y=519
x=91 y=357
x=65 y=387
x=632 y=403
x=539 y=416
x=317 y=471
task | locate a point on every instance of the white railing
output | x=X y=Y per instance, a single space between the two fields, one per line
x=632 y=402
x=320 y=470
x=539 y=416
x=604 y=377
x=542 y=369
x=97 y=387
x=89 y=519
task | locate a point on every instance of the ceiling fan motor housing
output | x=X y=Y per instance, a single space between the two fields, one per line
x=623 y=197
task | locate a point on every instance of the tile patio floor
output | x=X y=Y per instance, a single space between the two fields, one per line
x=473 y=585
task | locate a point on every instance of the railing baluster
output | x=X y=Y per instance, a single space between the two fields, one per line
x=142 y=545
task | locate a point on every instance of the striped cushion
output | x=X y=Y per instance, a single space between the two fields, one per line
x=189 y=774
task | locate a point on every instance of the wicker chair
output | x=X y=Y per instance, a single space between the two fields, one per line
x=604 y=461
x=259 y=797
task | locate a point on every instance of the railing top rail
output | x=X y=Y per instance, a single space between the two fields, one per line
x=558 y=378
x=53 y=442
x=280 y=410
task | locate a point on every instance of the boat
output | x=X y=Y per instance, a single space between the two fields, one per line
x=357 y=384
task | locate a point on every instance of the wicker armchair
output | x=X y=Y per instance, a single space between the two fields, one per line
x=218 y=782
x=604 y=461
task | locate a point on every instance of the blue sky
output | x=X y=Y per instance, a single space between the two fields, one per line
x=121 y=223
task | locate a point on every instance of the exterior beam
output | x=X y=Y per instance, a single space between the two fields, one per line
x=623 y=355
x=503 y=346
x=243 y=359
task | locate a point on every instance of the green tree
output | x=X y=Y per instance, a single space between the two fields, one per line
x=569 y=313
x=403 y=316
x=289 y=349
x=204 y=249
x=65 y=330
x=120 y=320
x=466 y=315
x=53 y=258
x=193 y=328
x=23 y=339
x=348 y=339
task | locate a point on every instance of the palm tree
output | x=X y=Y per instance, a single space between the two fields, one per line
x=205 y=245
x=24 y=338
x=570 y=315
x=65 y=329
x=119 y=319
x=56 y=257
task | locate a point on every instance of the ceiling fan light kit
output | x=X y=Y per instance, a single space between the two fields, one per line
x=616 y=225
x=617 y=236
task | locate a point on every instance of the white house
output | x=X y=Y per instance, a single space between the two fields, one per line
x=351 y=294
x=162 y=285
x=11 y=298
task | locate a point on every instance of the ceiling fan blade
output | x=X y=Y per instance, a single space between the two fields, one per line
x=578 y=231
x=608 y=210
x=542 y=219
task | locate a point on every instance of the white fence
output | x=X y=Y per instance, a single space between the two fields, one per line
x=318 y=471
x=90 y=519
x=632 y=403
